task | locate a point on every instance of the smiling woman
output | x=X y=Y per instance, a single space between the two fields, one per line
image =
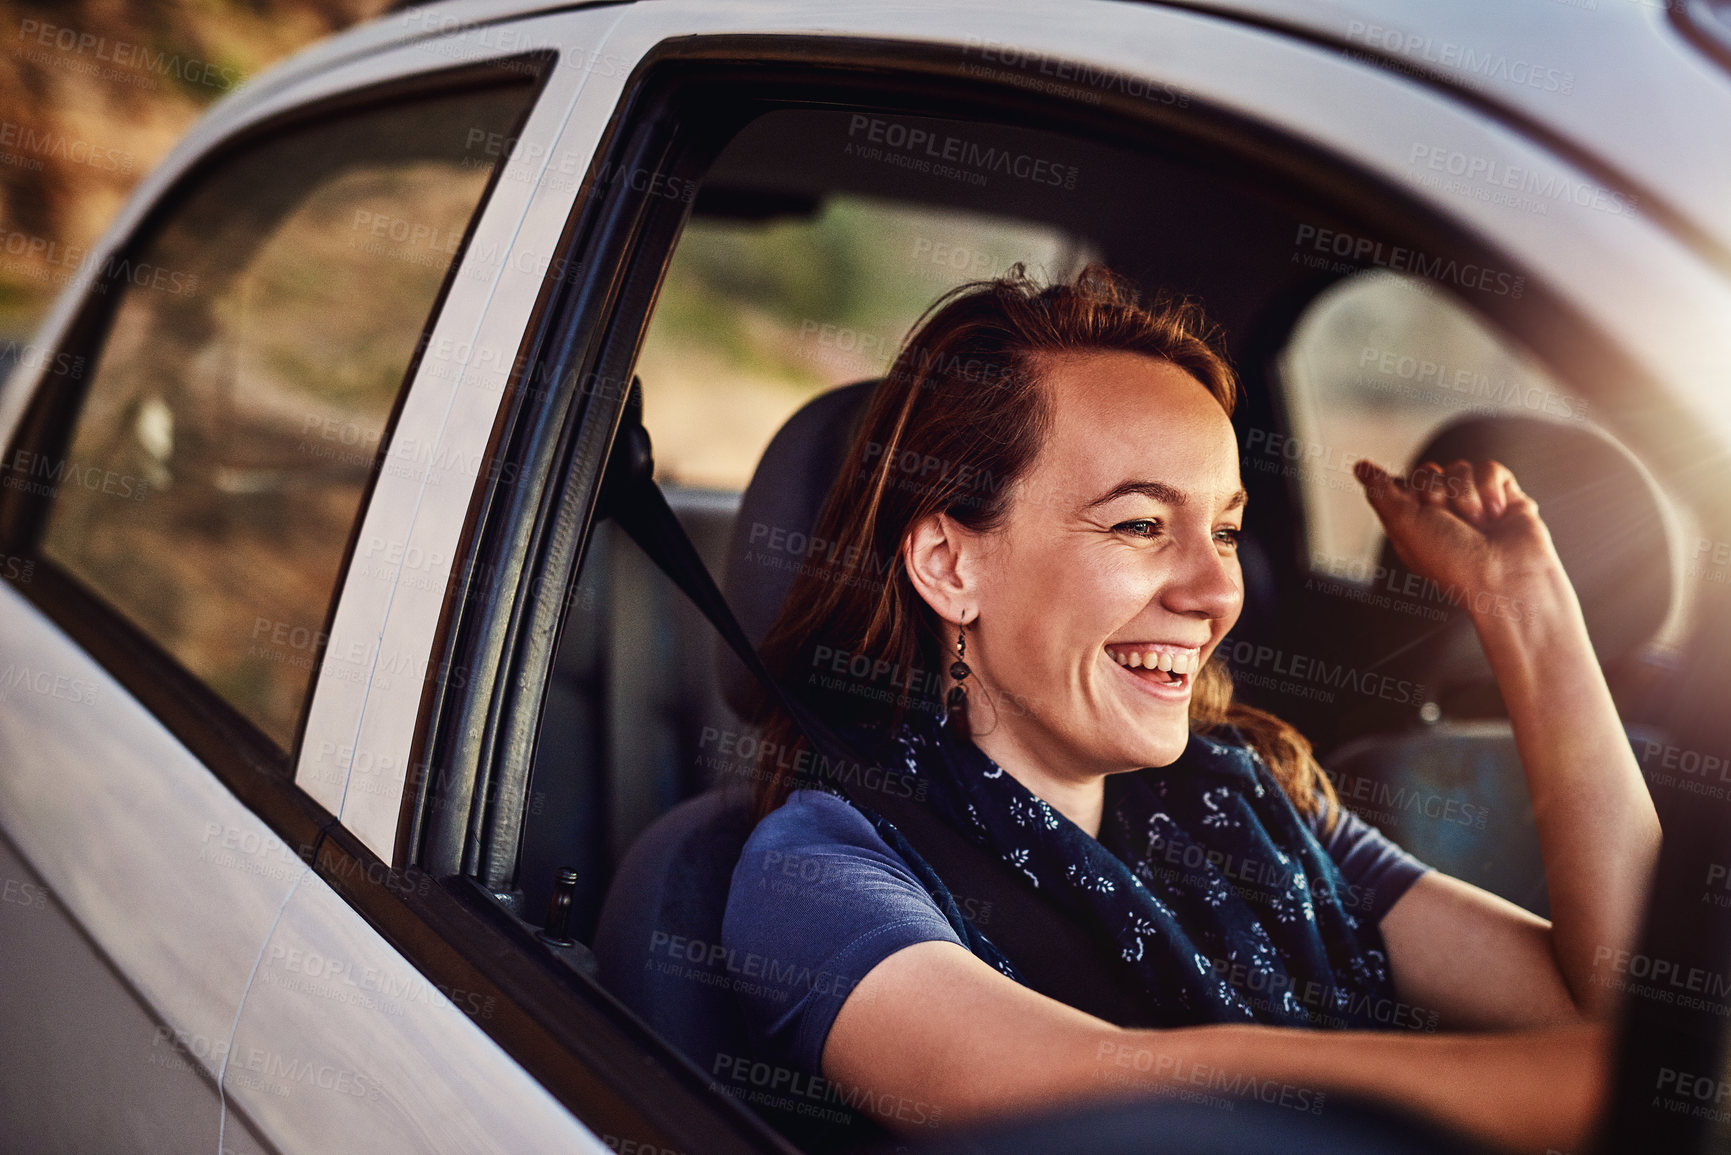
x=1063 y=550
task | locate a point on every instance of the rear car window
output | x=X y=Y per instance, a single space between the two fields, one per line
x=1375 y=366
x=239 y=398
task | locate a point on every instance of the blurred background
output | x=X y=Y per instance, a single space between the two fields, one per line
x=93 y=93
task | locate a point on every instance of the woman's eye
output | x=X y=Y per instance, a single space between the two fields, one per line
x=1227 y=534
x=1142 y=527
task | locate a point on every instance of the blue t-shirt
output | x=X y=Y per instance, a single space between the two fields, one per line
x=822 y=899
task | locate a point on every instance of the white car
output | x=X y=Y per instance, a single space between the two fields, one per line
x=318 y=664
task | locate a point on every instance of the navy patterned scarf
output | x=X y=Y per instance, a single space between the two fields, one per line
x=1208 y=882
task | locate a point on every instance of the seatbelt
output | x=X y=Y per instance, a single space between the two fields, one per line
x=1055 y=953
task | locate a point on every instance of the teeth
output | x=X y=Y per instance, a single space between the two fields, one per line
x=1166 y=660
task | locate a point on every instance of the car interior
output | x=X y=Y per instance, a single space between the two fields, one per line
x=642 y=751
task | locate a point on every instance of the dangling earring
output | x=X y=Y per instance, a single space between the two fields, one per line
x=957 y=704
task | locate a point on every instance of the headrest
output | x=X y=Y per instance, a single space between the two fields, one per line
x=1608 y=521
x=772 y=534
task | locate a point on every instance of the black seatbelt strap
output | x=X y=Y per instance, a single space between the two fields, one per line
x=1053 y=951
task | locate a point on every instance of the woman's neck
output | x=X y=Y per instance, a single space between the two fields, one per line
x=1081 y=799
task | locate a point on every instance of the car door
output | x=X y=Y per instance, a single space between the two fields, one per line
x=185 y=482
x=392 y=1010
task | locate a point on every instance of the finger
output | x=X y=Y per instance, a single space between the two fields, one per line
x=1381 y=488
x=1519 y=500
x=1428 y=484
x=1501 y=491
x=1387 y=494
x=1491 y=478
x=1463 y=492
x=1390 y=497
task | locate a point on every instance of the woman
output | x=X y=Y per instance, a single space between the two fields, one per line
x=1047 y=481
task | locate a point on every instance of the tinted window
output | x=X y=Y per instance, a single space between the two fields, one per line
x=237 y=403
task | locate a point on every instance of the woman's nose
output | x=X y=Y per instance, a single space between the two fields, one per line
x=1207 y=582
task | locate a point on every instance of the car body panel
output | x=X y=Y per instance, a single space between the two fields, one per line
x=344 y=1046
x=176 y=884
x=159 y=1096
x=1544 y=64
x=171 y=879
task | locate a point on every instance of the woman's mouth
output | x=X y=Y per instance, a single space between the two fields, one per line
x=1158 y=668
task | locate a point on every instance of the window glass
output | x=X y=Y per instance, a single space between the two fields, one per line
x=238 y=400
x=1376 y=365
x=757 y=317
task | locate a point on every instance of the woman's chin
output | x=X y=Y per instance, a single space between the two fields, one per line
x=1154 y=744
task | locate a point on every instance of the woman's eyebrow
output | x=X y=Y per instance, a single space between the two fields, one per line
x=1159 y=491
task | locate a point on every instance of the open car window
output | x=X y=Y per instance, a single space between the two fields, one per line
x=757 y=316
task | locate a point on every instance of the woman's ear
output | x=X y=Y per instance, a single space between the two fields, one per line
x=936 y=552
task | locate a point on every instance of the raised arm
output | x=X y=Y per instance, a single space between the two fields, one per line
x=1470 y=527
x=933 y=1023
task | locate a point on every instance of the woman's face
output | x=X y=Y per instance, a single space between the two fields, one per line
x=1115 y=574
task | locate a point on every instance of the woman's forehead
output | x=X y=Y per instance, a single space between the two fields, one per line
x=1116 y=411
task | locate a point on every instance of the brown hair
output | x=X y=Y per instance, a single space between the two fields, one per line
x=958 y=419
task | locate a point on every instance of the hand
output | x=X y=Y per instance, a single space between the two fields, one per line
x=1469 y=528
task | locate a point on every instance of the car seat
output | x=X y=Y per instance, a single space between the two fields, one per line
x=658 y=938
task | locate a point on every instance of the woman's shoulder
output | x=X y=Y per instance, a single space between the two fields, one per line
x=815 y=828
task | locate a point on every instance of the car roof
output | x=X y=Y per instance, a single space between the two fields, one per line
x=1624 y=91
x=1624 y=94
